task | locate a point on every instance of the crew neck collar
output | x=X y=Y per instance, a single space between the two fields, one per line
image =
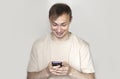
x=60 y=40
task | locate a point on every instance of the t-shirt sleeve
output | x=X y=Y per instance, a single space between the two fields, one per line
x=86 y=60
x=33 y=62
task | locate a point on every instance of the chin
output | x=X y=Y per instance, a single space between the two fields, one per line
x=59 y=36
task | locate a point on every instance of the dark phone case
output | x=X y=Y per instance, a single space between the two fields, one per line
x=54 y=63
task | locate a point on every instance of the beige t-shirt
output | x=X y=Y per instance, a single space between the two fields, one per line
x=74 y=50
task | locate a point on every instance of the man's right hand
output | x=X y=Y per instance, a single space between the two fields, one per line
x=59 y=70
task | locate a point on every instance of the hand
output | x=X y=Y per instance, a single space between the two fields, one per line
x=57 y=70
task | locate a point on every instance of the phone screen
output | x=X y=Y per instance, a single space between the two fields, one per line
x=56 y=63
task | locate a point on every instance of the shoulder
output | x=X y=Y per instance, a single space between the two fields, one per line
x=80 y=41
x=41 y=41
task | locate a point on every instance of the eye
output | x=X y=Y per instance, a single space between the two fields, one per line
x=64 y=25
x=54 y=24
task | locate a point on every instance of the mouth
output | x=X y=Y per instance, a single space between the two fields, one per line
x=59 y=34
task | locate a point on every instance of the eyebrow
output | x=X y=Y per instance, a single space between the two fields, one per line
x=60 y=23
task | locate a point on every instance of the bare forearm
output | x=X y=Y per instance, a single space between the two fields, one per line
x=38 y=75
x=74 y=74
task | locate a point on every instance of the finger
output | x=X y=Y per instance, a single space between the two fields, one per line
x=63 y=69
x=61 y=73
x=56 y=67
x=55 y=73
x=64 y=63
x=58 y=72
x=49 y=65
x=52 y=70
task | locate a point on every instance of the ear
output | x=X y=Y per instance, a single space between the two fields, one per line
x=70 y=18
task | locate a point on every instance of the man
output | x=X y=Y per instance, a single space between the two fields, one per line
x=60 y=54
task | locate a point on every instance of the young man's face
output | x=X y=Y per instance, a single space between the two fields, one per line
x=60 y=26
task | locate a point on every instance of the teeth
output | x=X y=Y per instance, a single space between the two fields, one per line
x=59 y=33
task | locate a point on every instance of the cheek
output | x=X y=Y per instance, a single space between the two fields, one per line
x=53 y=28
x=65 y=28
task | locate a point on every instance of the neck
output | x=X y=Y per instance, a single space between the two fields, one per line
x=66 y=37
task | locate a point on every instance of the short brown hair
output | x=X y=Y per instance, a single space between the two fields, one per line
x=58 y=9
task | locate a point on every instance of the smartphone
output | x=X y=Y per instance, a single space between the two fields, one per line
x=56 y=63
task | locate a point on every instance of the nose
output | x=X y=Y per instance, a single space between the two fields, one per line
x=59 y=29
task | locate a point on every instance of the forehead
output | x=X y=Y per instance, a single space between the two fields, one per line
x=62 y=19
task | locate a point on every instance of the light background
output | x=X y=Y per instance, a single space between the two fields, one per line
x=24 y=21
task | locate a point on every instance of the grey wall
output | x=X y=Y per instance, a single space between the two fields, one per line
x=23 y=21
